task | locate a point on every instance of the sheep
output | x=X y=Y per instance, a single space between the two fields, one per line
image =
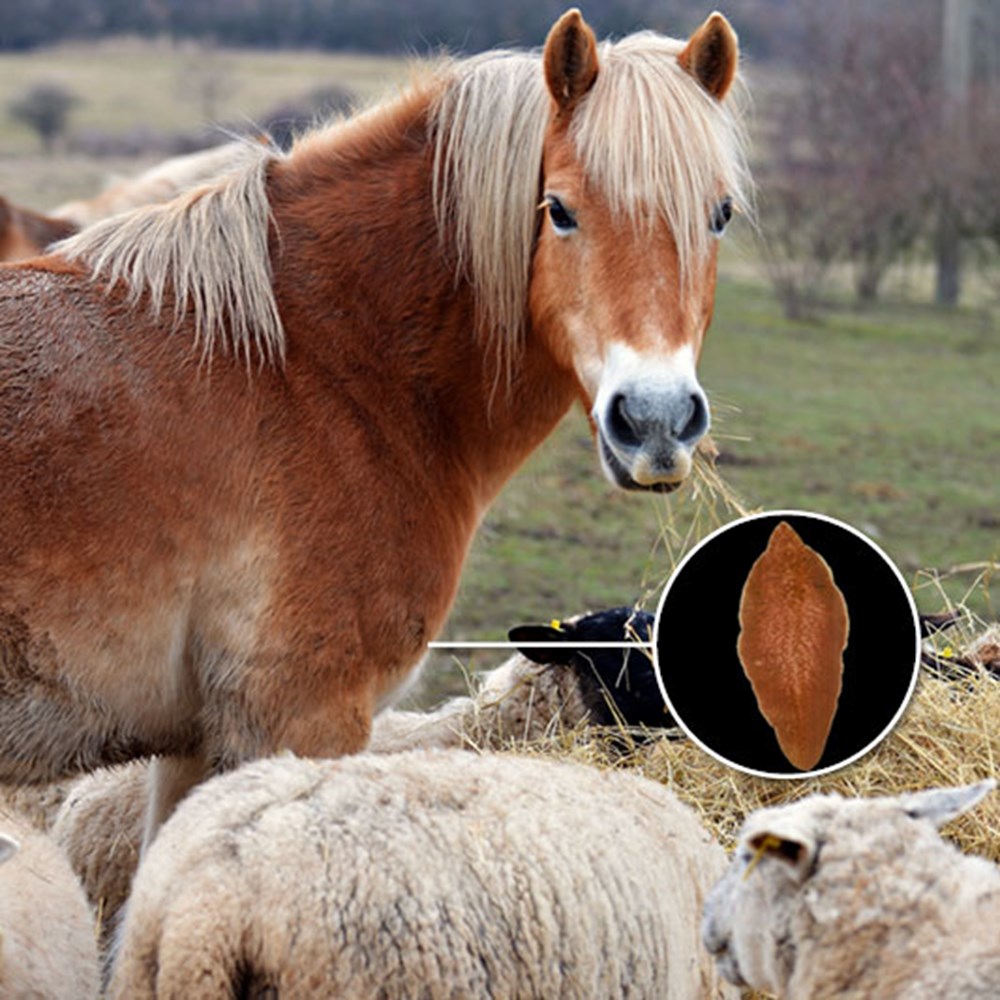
x=100 y=823
x=47 y=944
x=832 y=897
x=99 y=828
x=431 y=873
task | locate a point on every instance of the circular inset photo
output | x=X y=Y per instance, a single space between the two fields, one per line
x=787 y=644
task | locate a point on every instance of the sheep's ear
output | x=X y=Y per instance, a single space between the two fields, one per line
x=939 y=805
x=711 y=55
x=8 y=847
x=570 y=60
x=525 y=635
x=793 y=848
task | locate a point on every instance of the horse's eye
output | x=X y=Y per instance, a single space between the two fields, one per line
x=721 y=215
x=563 y=220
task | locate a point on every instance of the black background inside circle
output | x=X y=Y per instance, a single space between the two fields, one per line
x=698 y=628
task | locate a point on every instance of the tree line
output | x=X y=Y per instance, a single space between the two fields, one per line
x=877 y=129
x=883 y=149
x=365 y=25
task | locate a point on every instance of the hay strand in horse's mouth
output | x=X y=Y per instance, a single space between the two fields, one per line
x=794 y=626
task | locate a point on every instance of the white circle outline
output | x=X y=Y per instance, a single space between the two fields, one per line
x=916 y=656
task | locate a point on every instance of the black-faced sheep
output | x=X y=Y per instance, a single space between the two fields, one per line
x=424 y=874
x=618 y=687
x=859 y=898
x=47 y=941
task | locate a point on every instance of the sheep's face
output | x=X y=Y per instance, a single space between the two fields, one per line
x=773 y=898
x=618 y=686
x=749 y=914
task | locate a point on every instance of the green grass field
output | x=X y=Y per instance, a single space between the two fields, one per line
x=887 y=418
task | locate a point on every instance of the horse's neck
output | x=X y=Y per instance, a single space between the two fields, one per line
x=365 y=283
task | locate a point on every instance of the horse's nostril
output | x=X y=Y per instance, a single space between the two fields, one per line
x=696 y=422
x=621 y=423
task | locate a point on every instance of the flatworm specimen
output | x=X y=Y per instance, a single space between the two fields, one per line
x=794 y=625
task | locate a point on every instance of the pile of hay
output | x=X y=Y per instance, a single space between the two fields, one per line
x=949 y=735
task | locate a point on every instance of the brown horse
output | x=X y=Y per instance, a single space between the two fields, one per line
x=25 y=234
x=246 y=436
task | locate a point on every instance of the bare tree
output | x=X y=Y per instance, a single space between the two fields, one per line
x=45 y=108
x=847 y=177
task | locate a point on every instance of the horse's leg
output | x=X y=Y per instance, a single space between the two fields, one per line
x=170 y=779
x=50 y=728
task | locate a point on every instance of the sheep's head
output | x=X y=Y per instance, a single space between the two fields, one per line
x=770 y=899
x=618 y=686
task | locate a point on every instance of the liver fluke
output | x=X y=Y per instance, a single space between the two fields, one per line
x=794 y=626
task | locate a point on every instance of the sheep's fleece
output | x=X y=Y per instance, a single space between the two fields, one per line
x=426 y=874
x=859 y=898
x=48 y=949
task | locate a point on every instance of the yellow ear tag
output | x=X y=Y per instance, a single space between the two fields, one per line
x=556 y=624
x=769 y=842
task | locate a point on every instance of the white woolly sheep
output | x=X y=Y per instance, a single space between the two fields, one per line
x=47 y=944
x=424 y=874
x=101 y=822
x=99 y=828
x=833 y=897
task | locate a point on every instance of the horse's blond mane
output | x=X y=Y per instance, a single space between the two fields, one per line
x=648 y=135
x=157 y=184
x=209 y=246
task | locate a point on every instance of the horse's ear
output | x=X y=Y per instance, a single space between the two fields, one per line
x=711 y=55
x=570 y=60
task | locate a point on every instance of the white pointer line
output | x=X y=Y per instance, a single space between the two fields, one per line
x=529 y=644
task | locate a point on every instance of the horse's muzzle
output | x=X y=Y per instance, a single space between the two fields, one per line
x=647 y=439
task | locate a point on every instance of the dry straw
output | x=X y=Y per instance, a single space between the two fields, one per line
x=948 y=736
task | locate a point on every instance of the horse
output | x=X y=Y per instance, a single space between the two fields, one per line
x=248 y=435
x=25 y=233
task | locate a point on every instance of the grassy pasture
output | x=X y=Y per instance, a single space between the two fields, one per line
x=887 y=418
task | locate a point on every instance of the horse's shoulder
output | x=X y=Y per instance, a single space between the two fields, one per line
x=40 y=275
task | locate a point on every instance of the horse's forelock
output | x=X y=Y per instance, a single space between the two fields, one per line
x=648 y=136
x=658 y=145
